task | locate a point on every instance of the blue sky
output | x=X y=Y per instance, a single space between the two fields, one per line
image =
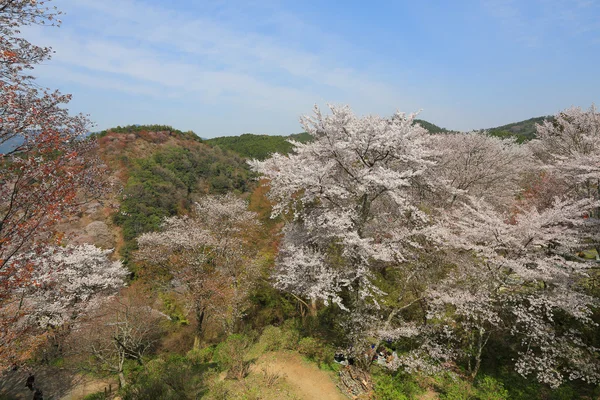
x=227 y=67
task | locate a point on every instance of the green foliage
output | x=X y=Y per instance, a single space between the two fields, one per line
x=564 y=393
x=385 y=389
x=173 y=308
x=489 y=388
x=167 y=183
x=392 y=387
x=316 y=350
x=302 y=137
x=218 y=390
x=230 y=355
x=258 y=146
x=274 y=338
x=523 y=130
x=501 y=387
x=452 y=387
x=269 y=306
x=201 y=356
x=458 y=390
x=497 y=364
x=170 y=378
x=96 y=396
x=432 y=128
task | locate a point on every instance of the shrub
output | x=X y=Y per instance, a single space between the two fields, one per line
x=174 y=309
x=274 y=338
x=171 y=378
x=489 y=388
x=201 y=356
x=316 y=350
x=458 y=390
x=564 y=393
x=399 y=386
x=230 y=355
x=96 y=396
x=387 y=389
x=218 y=390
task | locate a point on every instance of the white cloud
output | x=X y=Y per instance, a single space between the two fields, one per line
x=154 y=49
x=538 y=22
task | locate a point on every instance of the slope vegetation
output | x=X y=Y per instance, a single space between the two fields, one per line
x=160 y=171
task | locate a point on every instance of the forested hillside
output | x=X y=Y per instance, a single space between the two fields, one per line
x=163 y=171
x=432 y=128
x=262 y=146
x=258 y=146
x=369 y=257
x=523 y=130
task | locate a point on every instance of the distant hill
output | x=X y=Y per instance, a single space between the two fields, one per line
x=262 y=146
x=523 y=130
x=258 y=146
x=143 y=129
x=432 y=128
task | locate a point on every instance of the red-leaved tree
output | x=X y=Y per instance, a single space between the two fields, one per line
x=46 y=167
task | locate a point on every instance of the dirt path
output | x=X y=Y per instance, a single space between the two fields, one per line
x=88 y=386
x=55 y=383
x=429 y=395
x=307 y=380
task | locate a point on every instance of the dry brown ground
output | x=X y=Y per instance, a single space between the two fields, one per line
x=306 y=379
x=55 y=383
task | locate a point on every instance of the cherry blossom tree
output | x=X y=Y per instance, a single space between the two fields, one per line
x=569 y=145
x=370 y=200
x=46 y=170
x=210 y=255
x=511 y=277
x=477 y=164
x=348 y=197
x=511 y=258
x=509 y=249
x=67 y=283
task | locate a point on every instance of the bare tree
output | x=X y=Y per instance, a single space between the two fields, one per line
x=127 y=328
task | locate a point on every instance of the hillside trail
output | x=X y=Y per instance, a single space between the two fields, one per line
x=86 y=387
x=55 y=383
x=306 y=379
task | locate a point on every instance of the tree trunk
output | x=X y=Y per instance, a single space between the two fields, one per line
x=313 y=307
x=200 y=315
x=480 y=344
x=598 y=193
x=200 y=320
x=122 y=381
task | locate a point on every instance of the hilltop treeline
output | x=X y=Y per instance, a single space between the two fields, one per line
x=258 y=146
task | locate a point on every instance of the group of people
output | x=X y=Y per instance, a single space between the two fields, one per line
x=340 y=358
x=30 y=384
x=379 y=355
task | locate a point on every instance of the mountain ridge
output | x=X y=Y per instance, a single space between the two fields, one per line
x=259 y=146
